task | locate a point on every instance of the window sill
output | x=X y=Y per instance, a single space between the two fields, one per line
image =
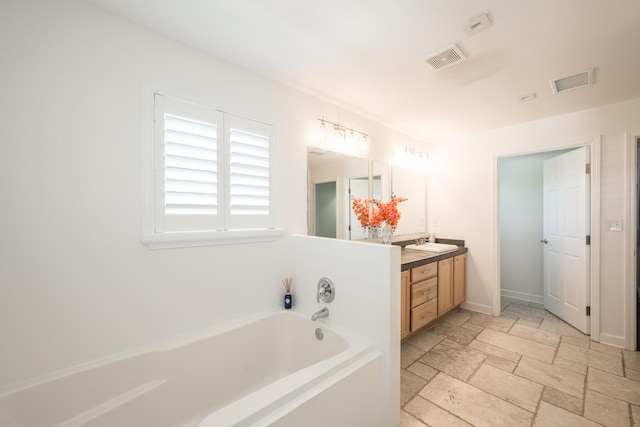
x=209 y=238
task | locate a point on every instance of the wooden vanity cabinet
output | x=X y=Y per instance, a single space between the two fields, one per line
x=459 y=279
x=405 y=303
x=451 y=283
x=430 y=291
x=445 y=285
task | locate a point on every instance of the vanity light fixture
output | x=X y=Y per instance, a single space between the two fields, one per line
x=351 y=137
x=338 y=132
x=412 y=158
x=323 y=130
x=345 y=140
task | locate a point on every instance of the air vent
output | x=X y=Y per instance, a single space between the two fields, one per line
x=575 y=81
x=445 y=58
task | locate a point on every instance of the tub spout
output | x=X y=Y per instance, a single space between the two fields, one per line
x=320 y=313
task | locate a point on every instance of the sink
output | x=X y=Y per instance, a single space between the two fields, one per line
x=432 y=247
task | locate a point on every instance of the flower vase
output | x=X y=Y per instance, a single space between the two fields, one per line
x=373 y=232
x=387 y=233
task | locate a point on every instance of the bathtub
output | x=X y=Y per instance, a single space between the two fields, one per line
x=270 y=369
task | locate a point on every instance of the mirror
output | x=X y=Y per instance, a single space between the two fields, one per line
x=411 y=184
x=332 y=179
x=380 y=178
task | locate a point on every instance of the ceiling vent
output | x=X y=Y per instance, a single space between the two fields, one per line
x=445 y=58
x=575 y=81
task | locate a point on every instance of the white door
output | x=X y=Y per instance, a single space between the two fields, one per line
x=566 y=226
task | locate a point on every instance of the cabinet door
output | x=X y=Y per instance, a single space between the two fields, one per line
x=459 y=279
x=405 y=303
x=445 y=285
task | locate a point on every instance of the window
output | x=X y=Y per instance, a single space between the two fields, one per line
x=213 y=171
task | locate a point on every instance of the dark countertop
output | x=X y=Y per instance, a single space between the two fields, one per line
x=413 y=258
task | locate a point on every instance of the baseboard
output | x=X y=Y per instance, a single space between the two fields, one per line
x=538 y=299
x=613 y=340
x=480 y=308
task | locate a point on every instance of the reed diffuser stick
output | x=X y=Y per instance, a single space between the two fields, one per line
x=287 y=283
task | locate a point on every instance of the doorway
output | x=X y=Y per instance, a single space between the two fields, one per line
x=531 y=245
x=521 y=225
x=325 y=206
x=637 y=240
x=630 y=226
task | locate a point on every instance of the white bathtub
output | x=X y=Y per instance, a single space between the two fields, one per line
x=267 y=370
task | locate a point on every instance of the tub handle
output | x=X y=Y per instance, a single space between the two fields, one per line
x=326 y=290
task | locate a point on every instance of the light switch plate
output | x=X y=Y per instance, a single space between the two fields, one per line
x=615 y=225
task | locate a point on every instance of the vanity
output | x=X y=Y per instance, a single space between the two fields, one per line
x=432 y=284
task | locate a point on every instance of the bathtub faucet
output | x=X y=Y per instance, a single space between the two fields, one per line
x=320 y=313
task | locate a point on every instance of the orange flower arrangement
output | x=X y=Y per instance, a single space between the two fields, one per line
x=372 y=212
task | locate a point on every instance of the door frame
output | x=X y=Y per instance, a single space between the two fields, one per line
x=630 y=221
x=594 y=145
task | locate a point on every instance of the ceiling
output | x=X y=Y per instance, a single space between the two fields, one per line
x=368 y=55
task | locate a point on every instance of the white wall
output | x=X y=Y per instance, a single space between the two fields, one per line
x=77 y=283
x=366 y=277
x=466 y=205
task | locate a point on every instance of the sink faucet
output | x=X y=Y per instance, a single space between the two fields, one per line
x=320 y=313
x=421 y=241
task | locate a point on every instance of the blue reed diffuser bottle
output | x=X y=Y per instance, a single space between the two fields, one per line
x=288 y=297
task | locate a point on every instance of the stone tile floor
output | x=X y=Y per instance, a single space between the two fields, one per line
x=524 y=368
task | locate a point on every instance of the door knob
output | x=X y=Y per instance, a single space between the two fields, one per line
x=544 y=241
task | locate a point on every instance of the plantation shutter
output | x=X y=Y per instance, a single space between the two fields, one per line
x=187 y=166
x=190 y=168
x=212 y=171
x=249 y=176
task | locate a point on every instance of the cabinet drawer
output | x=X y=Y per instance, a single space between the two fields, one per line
x=423 y=272
x=423 y=314
x=424 y=291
